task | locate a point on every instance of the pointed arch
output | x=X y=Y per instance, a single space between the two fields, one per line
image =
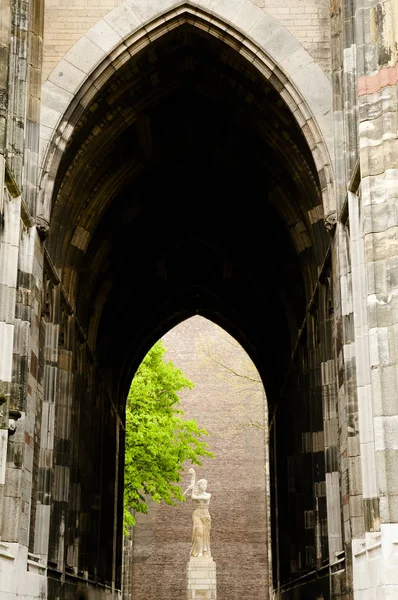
x=130 y=27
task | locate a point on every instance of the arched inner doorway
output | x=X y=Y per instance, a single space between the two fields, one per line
x=228 y=400
x=186 y=188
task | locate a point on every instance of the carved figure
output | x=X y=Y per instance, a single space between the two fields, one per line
x=331 y=221
x=201 y=516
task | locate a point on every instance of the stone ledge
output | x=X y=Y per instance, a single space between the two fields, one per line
x=4 y=551
x=201 y=561
x=35 y=565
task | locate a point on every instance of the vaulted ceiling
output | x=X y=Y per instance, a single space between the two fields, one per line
x=185 y=189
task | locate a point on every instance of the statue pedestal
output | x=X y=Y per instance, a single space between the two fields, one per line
x=201 y=572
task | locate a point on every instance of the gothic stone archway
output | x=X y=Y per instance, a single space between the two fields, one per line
x=266 y=279
x=178 y=181
x=187 y=186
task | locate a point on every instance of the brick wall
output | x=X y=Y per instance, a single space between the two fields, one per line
x=65 y=22
x=224 y=404
x=309 y=21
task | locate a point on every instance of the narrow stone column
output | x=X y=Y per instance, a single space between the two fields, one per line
x=201 y=578
x=373 y=213
x=10 y=232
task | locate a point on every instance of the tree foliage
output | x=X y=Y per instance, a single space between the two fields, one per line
x=158 y=439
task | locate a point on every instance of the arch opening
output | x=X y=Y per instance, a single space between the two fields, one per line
x=228 y=400
x=188 y=188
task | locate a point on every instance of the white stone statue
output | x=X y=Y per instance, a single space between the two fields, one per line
x=201 y=516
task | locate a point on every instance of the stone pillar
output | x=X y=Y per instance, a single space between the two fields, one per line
x=373 y=207
x=330 y=419
x=46 y=444
x=10 y=503
x=201 y=578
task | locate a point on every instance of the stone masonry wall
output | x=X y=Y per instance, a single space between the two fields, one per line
x=225 y=405
x=65 y=22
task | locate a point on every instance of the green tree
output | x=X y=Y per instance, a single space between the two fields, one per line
x=158 y=439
